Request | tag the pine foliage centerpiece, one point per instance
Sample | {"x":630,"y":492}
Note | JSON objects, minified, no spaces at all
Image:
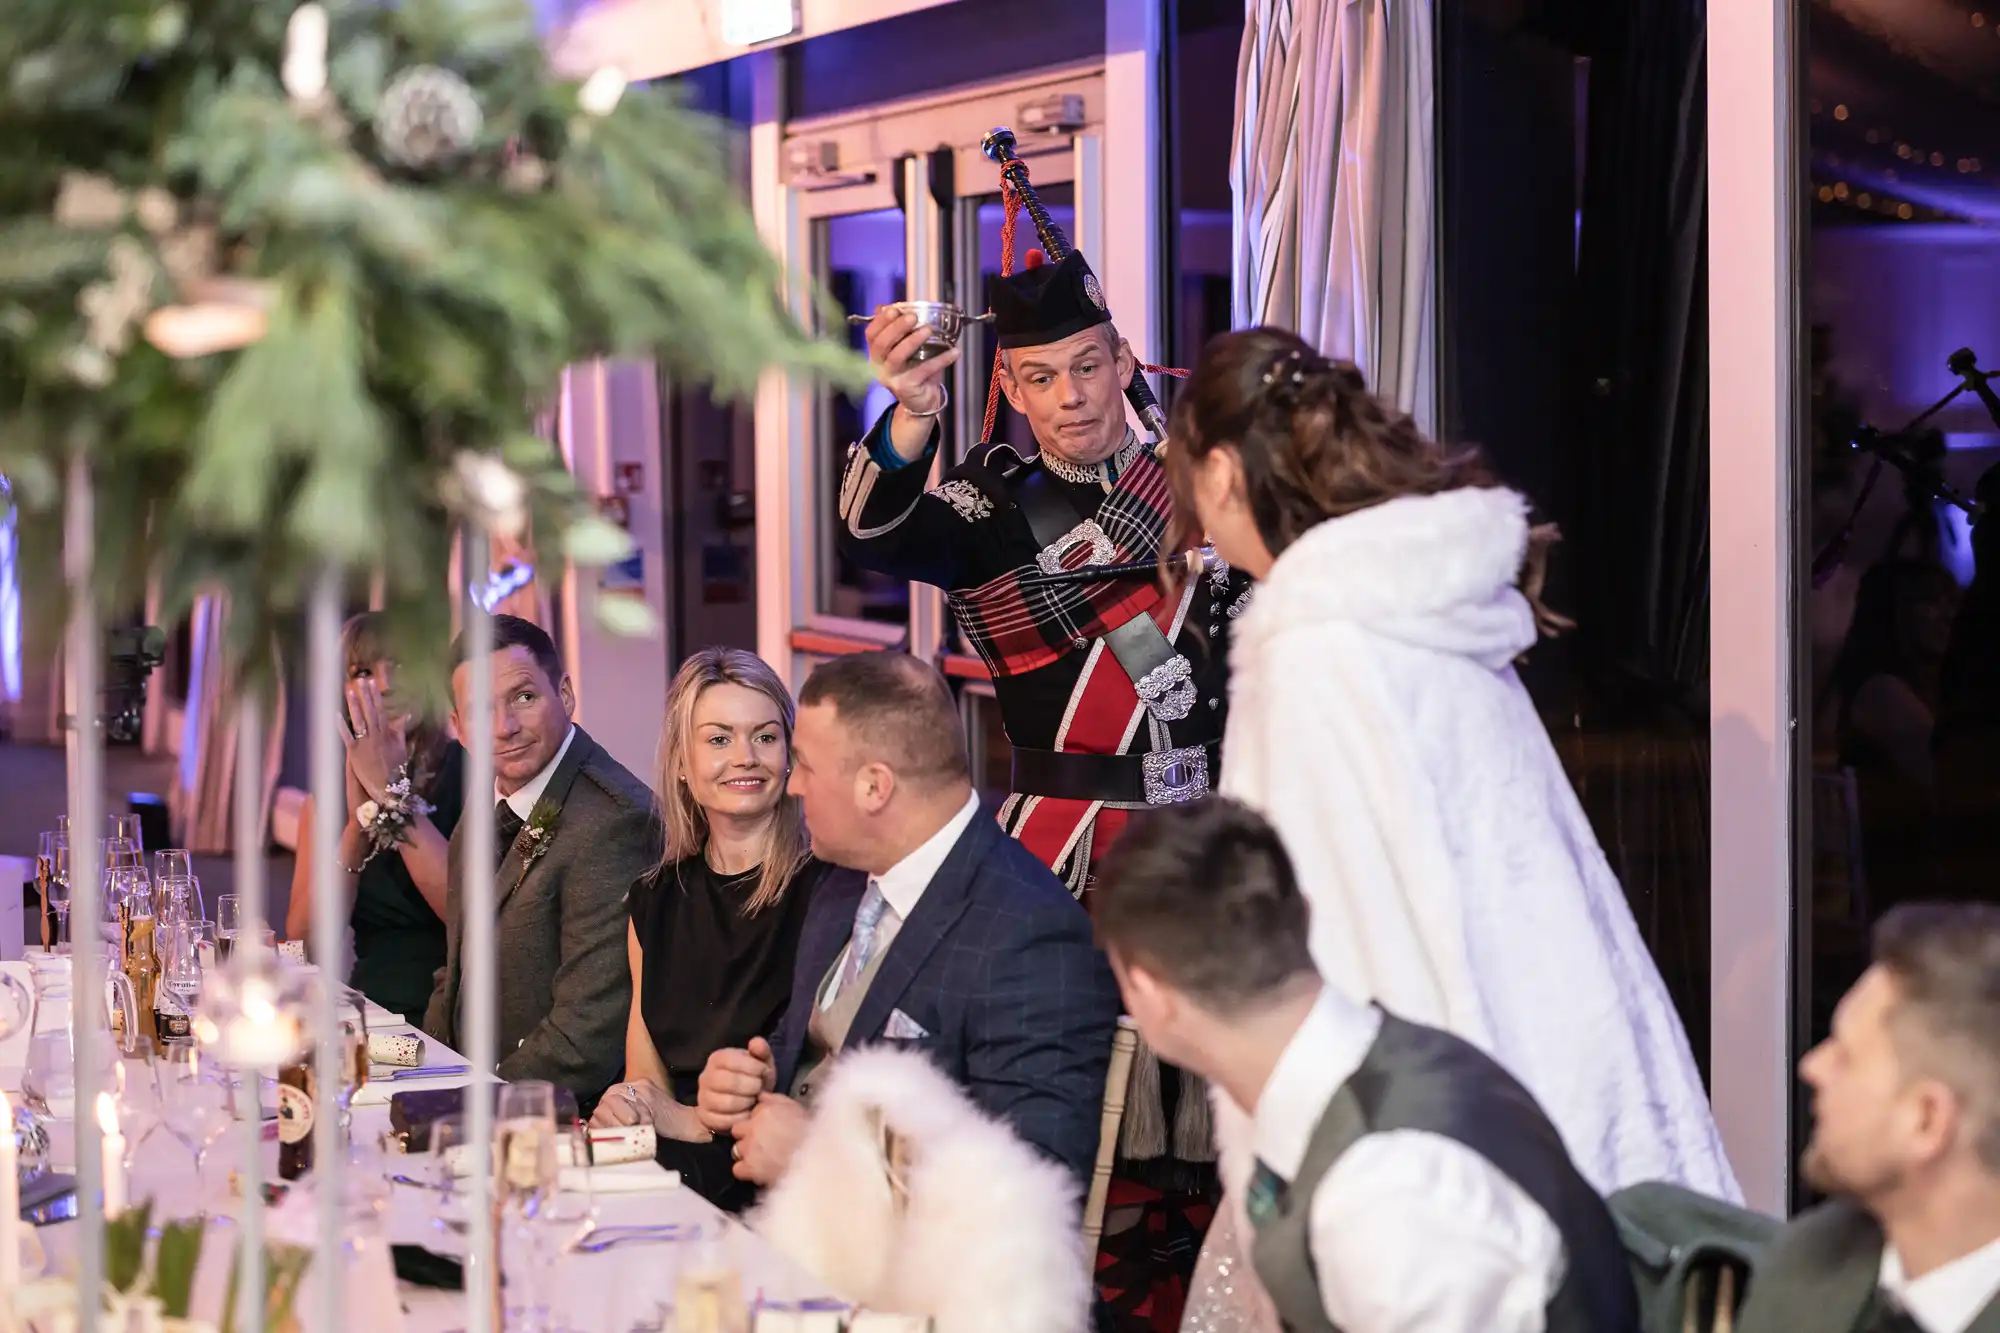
{"x":296,"y":282}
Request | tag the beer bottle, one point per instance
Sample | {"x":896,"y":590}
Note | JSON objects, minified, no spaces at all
{"x":142,"y":971}
{"x":298,"y":1097}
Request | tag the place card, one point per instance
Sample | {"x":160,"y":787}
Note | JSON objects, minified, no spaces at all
{"x":880,"y":1321}
{"x":770,"y":1320}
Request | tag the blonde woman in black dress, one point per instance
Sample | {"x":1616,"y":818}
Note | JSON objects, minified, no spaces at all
{"x":715,"y":926}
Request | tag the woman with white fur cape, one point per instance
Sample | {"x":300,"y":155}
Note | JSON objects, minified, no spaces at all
{"x":1376,"y":719}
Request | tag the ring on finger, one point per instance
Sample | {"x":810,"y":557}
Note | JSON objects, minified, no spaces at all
{"x":736,"y":1153}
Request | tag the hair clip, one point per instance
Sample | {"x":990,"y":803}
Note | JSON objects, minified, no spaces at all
{"x":1294,"y":360}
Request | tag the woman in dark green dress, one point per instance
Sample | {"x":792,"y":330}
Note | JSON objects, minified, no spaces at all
{"x":405,"y":787}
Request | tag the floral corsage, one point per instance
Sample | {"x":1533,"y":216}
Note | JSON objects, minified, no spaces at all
{"x":532,"y":842}
{"x":387,"y":822}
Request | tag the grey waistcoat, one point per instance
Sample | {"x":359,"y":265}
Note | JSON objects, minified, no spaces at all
{"x":1422,"y":1079}
{"x":826,"y":1030}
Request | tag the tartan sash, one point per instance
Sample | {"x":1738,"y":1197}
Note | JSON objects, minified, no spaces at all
{"x":1104,"y":717}
{"x":1016,"y":630}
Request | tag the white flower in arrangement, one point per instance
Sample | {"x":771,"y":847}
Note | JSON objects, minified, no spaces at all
{"x":304,"y":73}
{"x":156,"y":210}
{"x":366,"y":813}
{"x":84,"y":200}
{"x":496,"y":491}
{"x":601,"y":92}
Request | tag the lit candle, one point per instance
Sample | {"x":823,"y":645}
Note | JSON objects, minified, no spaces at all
{"x":114,"y":1155}
{"x":10,"y":1204}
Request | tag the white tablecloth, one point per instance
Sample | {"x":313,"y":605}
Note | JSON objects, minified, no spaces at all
{"x":610,"y":1291}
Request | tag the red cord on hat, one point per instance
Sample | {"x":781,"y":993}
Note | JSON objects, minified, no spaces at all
{"x":1034,"y":259}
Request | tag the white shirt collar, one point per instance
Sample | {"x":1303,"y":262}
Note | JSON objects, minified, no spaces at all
{"x":1323,"y":1054}
{"x":903,"y":883}
{"x":1947,"y":1299}
{"x":522,"y":802}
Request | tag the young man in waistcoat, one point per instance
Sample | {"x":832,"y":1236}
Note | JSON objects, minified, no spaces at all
{"x":1906,"y":1137}
{"x":1404,"y":1181}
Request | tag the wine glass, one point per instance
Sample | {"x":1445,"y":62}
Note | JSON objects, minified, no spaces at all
{"x":180,"y":899}
{"x":17,"y":1011}
{"x":446,"y":1172}
{"x":121,"y":854}
{"x":126,"y":828}
{"x":172,"y":863}
{"x":140,"y":1110}
{"x":49,"y":1082}
{"x":59,"y":878}
{"x":196,"y":1099}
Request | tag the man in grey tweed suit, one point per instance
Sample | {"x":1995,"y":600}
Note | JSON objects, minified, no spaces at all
{"x":1906,"y":1136}
{"x":943,"y":935}
{"x":573,"y":829}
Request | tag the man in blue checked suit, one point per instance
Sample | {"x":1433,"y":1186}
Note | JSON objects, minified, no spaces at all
{"x":943,"y":935}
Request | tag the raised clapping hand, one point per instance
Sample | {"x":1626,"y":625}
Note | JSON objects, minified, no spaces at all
{"x":375,"y":744}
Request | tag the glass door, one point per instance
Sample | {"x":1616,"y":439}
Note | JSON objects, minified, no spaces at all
{"x":859,"y":258}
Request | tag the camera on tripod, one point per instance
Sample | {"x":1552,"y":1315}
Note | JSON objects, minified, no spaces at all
{"x":131,"y":654}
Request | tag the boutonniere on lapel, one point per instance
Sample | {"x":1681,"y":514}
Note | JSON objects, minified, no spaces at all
{"x":532,"y":842}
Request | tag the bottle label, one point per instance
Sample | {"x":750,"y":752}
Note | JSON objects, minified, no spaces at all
{"x":295,"y":1114}
{"x":171,"y":1027}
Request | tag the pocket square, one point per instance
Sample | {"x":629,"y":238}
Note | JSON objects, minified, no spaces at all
{"x":901,"y":1027}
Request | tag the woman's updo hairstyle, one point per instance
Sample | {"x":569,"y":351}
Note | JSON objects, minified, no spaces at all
{"x":1315,"y":444}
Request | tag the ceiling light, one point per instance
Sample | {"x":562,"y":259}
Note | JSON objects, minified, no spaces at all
{"x":1840,"y":112}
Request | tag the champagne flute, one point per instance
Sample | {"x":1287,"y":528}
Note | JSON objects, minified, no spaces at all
{"x":59,"y":893}
{"x":45,"y":866}
{"x":528,"y":1176}
{"x":172,"y":863}
{"x":525,"y":1141}
{"x":353,"y":1022}
{"x":228,"y":920}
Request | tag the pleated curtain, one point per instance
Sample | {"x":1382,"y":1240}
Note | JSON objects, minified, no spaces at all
{"x":1332,"y":173}
{"x":202,"y":805}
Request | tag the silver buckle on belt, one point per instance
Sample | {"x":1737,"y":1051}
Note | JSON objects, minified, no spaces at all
{"x":1084,"y":533}
{"x":1174,"y":776}
{"x":1168,"y":689}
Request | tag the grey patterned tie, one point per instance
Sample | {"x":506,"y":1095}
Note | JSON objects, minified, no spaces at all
{"x":861,"y":945}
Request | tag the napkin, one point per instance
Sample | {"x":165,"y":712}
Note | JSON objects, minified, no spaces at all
{"x":625,"y":1178}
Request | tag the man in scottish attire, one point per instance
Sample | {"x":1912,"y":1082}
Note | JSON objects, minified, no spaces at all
{"x":1113,"y":692}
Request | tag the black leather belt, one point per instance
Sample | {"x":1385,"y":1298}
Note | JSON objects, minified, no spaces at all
{"x":1161,"y":777}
